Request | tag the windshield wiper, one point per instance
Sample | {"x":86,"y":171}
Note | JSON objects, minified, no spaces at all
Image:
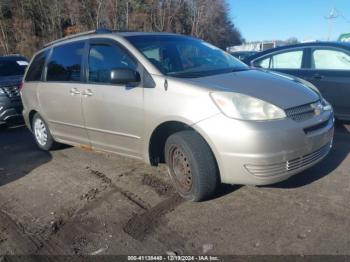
{"x":188,"y":75}
{"x":207,"y":73}
{"x":238,"y":69}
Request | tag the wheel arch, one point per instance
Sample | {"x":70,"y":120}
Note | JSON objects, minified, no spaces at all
{"x":30,"y":118}
{"x":160,"y":134}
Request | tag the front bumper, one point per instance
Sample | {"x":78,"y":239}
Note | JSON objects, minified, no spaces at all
{"x":10,"y":110}
{"x":266,"y":152}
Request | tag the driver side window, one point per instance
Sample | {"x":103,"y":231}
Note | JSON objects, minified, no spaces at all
{"x":104,"y":58}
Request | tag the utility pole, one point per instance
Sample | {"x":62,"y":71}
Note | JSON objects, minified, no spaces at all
{"x":331,"y":17}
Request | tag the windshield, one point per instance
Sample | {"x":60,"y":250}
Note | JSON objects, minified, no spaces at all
{"x":182,"y":56}
{"x":12,"y":67}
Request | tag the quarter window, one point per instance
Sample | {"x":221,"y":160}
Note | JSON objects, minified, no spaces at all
{"x":65,"y":63}
{"x":103,"y":58}
{"x":36,"y":68}
{"x":330,"y":59}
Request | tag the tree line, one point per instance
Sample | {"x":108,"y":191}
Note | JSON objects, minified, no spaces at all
{"x":25,"y":25}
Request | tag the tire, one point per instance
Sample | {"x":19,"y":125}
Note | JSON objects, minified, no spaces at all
{"x":42,"y":135}
{"x":191,"y":165}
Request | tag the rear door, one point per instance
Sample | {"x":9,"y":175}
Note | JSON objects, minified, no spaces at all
{"x":113,"y":113}
{"x":60,"y":93}
{"x":290,"y":61}
{"x":329,"y":71}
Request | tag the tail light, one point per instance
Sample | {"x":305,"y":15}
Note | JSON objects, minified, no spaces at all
{"x":20,"y":86}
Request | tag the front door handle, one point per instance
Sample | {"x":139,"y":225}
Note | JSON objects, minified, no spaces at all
{"x":87,"y":92}
{"x":75,"y":91}
{"x":317,"y":76}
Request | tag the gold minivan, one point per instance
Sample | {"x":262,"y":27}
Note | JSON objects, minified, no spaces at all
{"x":174,"y":99}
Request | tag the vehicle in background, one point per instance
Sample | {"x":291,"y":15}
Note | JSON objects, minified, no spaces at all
{"x":344,"y":38}
{"x":256,"y":46}
{"x":324,"y":64}
{"x":241,"y":55}
{"x":173,"y":99}
{"x":12,"y":68}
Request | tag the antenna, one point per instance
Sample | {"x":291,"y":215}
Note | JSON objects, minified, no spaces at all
{"x":331,"y":17}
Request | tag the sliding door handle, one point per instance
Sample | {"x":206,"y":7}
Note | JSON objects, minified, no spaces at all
{"x":87,"y":92}
{"x":75,"y":91}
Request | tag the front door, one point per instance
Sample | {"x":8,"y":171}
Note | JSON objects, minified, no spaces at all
{"x":288,"y":61}
{"x":113,"y":113}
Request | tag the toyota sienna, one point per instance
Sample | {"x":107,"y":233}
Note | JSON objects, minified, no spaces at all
{"x":174,"y":99}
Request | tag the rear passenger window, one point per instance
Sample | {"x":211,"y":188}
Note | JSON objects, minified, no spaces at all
{"x":104,"y":58}
{"x":36,"y":68}
{"x":65,"y":63}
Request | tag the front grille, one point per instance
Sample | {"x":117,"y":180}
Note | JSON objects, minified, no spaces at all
{"x":314,"y":128}
{"x":301,"y":113}
{"x":11,"y":91}
{"x":288,"y":166}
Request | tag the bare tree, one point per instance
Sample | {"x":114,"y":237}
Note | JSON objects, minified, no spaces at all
{"x":25,"y":25}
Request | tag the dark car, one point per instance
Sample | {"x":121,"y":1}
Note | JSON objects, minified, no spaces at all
{"x":12,"y":69}
{"x":324,"y":64}
{"x":241,"y":55}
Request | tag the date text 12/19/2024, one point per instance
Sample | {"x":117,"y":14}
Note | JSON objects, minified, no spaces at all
{"x":173,"y":258}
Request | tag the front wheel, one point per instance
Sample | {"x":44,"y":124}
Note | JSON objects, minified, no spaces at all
{"x":192,"y":166}
{"x":42,"y":135}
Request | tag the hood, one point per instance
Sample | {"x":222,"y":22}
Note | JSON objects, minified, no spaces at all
{"x":282,"y":91}
{"x":10,"y":80}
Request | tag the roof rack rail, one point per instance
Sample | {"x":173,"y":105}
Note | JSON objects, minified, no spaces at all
{"x":103,"y":31}
{"x":12,"y":55}
{"x":97,"y":31}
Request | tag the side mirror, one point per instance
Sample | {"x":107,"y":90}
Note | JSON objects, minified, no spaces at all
{"x":124,"y":76}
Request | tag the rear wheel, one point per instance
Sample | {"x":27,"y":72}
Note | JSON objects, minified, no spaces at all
{"x":42,"y":135}
{"x":192,"y":166}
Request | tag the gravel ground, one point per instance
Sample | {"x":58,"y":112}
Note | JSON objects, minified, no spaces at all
{"x":73,"y":202}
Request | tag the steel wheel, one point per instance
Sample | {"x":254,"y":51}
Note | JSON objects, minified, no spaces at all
{"x":40,"y":132}
{"x":180,"y":169}
{"x":192,"y":166}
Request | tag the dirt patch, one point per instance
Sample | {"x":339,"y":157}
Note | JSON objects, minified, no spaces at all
{"x":3,"y":235}
{"x":162,"y":188}
{"x":91,"y":194}
{"x":131,"y":171}
{"x":135,"y":199}
{"x":79,"y":244}
{"x":100,"y":175}
{"x":13,"y":235}
{"x":141,"y":225}
{"x":127,"y":194}
{"x":56,"y":225}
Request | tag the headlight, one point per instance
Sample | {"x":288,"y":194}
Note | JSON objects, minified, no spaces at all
{"x":326,"y":106}
{"x":245,"y":107}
